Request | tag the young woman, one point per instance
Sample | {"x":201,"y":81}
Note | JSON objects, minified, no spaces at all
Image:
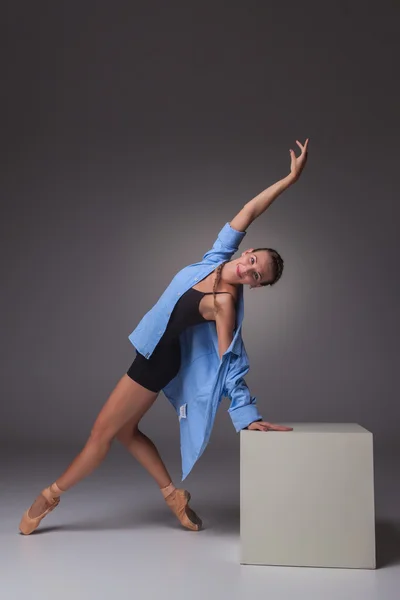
{"x":158,"y":362}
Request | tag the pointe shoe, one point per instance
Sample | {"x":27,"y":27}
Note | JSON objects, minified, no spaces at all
{"x":29,"y":524}
{"x":178,"y":501}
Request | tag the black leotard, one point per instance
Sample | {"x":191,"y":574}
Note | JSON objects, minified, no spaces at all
{"x":155,"y":372}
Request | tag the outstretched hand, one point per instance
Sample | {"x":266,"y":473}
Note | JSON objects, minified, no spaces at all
{"x":265,"y":426}
{"x":298,"y":162}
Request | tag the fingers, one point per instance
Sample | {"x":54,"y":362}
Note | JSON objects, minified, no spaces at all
{"x":266,"y":426}
{"x":276,"y":427}
{"x":258,"y":426}
{"x":303,"y":148}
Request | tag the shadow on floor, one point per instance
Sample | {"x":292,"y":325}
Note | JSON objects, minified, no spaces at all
{"x":218,"y":518}
{"x":387,"y":543}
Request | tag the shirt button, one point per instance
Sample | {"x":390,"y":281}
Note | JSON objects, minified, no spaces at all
{"x":177,"y":293}
{"x":160,"y":332}
{"x":196,"y":278}
{"x":168,"y":314}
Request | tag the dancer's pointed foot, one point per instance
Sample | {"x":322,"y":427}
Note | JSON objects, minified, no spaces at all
{"x":178,"y":501}
{"x":47,"y":501}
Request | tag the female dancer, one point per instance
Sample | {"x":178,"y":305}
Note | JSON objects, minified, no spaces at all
{"x":137,"y":390}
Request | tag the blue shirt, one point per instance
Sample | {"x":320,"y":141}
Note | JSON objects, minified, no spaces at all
{"x":203,"y":378}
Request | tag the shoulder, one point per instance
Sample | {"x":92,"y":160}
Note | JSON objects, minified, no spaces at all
{"x":226,"y":303}
{"x":232,"y":294}
{"x":226,"y":299}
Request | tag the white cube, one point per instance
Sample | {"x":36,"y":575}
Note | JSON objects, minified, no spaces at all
{"x":307,"y":496}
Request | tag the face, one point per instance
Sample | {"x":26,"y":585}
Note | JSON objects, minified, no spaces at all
{"x":252,"y":268}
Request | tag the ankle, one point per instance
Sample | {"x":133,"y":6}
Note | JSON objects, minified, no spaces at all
{"x":55,"y":490}
{"x":166,"y":491}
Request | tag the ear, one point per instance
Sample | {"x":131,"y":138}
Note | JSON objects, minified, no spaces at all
{"x":247,"y":251}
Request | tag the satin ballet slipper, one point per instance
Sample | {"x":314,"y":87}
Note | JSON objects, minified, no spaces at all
{"x":178,"y":501}
{"x":52,"y":495}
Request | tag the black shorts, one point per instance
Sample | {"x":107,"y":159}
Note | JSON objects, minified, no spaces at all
{"x":156,"y":371}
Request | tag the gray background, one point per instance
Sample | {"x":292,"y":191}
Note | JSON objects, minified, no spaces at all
{"x":131,"y":133}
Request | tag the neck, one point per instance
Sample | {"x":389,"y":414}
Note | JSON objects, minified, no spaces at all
{"x":224,"y":275}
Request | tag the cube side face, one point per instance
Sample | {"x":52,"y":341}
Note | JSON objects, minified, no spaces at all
{"x":307,"y":500}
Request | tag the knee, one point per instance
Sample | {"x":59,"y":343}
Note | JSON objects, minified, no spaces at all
{"x":127,"y":435}
{"x":100,"y":435}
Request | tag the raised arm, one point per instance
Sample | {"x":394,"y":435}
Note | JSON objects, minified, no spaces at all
{"x":255,"y":207}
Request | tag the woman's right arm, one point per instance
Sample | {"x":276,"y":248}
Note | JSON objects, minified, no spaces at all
{"x":255,"y":207}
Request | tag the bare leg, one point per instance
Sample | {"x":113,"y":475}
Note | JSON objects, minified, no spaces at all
{"x":129,"y":401}
{"x":143,"y":449}
{"x":145,"y":452}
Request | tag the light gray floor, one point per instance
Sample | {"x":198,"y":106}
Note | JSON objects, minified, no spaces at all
{"x":112,"y":536}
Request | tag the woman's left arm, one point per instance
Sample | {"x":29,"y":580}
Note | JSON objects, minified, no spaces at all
{"x":255,"y":207}
{"x":225,"y":323}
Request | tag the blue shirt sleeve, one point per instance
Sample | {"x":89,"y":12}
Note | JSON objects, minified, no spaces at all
{"x":226,"y":244}
{"x":243,"y":408}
